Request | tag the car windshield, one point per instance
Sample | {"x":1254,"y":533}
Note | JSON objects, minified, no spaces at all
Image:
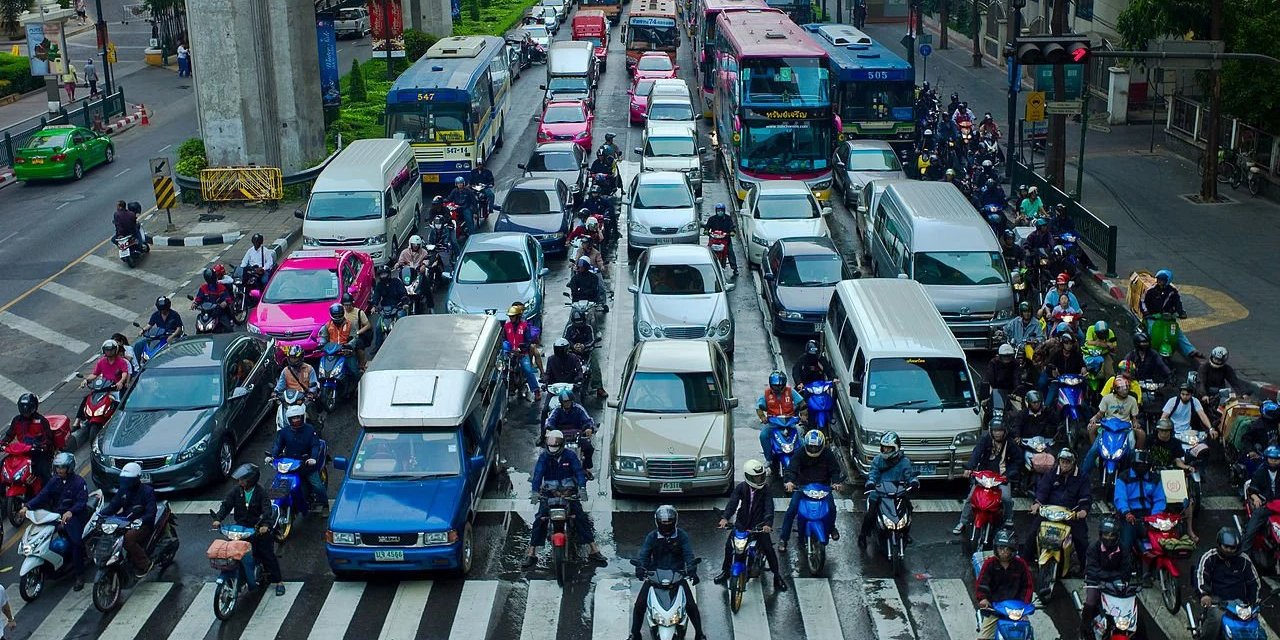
{"x":671,"y":111}
{"x":529,"y":201}
{"x":873,"y":160}
{"x":302,"y":285}
{"x":161,"y":389}
{"x":568,"y":84}
{"x":643,"y":88}
{"x":670,"y":147}
{"x":810,"y":271}
{"x":556,"y":115}
{"x":919,"y":383}
{"x":493,"y":267}
{"x":553,"y":161}
{"x":385,"y":455}
{"x":681,"y":280}
{"x":963,"y":268}
{"x":674,"y":393}
{"x":48,"y":141}
{"x":663,"y":196}
{"x":654,"y":63}
{"x":786,"y":206}
{"x":345,"y":205}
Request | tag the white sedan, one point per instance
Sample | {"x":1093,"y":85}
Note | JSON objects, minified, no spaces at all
{"x":779,"y":209}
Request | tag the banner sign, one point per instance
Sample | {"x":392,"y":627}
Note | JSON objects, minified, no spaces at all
{"x":387,"y":23}
{"x":45,"y":46}
{"x":327,"y":44}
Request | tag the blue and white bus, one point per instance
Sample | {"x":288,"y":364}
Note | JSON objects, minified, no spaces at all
{"x":873,"y":88}
{"x":451,"y":105}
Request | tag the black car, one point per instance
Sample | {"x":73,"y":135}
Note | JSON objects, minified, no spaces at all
{"x":196,"y":403}
{"x":800,"y":275}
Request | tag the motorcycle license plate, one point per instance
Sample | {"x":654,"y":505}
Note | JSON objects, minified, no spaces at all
{"x":146,"y":478}
{"x":388,"y":555}
{"x":671,"y":487}
{"x":431,"y":177}
{"x":124,"y":253}
{"x":926,"y":469}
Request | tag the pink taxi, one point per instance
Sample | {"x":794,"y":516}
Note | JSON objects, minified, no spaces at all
{"x":297,"y":299}
{"x":566,"y":121}
{"x":639,"y":95}
{"x":655,"y":65}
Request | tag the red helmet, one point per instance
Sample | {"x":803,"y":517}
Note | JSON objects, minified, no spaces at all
{"x":1063,"y":279}
{"x":219,"y":271}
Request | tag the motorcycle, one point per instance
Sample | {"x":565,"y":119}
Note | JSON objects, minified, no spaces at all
{"x":246,"y":290}
{"x":209,"y":318}
{"x":537,"y":54}
{"x":459,"y":225}
{"x":987,"y":508}
{"x":745,"y":564}
{"x":388,"y":314}
{"x":1194,"y":444}
{"x":482,"y":203}
{"x":97,"y":408}
{"x":815,"y":519}
{"x":820,"y":400}
{"x":20,"y":481}
{"x":1053,"y":548}
{"x":1153,"y":399}
{"x":1037,"y":460}
{"x":238,"y":574}
{"x":1070,"y":405}
{"x":288,"y":490}
{"x":153,"y":340}
{"x":105,"y":545}
{"x":590,"y":308}
{"x":46,"y":549}
{"x":335,"y":382}
{"x":1160,"y":550}
{"x":1094,"y":358}
{"x":994,"y":215}
{"x":552,"y":398}
{"x":413,"y":286}
{"x":1264,"y":550}
{"x":1164,"y":333}
{"x":1071,"y":260}
{"x":1011,"y":619}
{"x":294,"y":397}
{"x":1239,"y":621}
{"x":783,"y":442}
{"x":564,"y":541}
{"x":1117,"y":617}
{"x":718,"y":242}
{"x":130,"y":250}
{"x":1115,"y":446}
{"x":893,"y":522}
{"x":665,"y":609}
{"x":509,"y":366}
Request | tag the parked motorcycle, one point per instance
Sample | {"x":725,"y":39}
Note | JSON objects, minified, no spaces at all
{"x":288,"y":490}
{"x":238,"y":573}
{"x":130,"y":250}
{"x":783,"y":442}
{"x":893,"y":522}
{"x":565,"y":556}
{"x":46,"y":549}
{"x":1117,"y":617}
{"x":335,"y":382}
{"x":665,"y":608}
{"x":988,"y":511}
{"x":746,"y":563}
{"x":1160,"y":551}
{"x":1053,"y":548}
{"x":114,"y":573}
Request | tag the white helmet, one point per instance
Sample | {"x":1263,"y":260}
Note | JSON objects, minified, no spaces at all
{"x":295,"y":411}
{"x":415,"y":241}
{"x":755,"y":473}
{"x":110,"y":345}
{"x":1006,"y":349}
{"x":131,"y":470}
{"x":555,"y":441}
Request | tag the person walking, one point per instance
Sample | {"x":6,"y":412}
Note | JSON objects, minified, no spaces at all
{"x":69,"y":80}
{"x":184,"y":60}
{"x":82,"y":12}
{"x":860,"y":14}
{"x":91,"y":76}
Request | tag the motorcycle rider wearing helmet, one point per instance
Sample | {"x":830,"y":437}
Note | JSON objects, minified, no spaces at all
{"x":1065,"y":486}
{"x":1036,"y":419}
{"x":1039,"y":243}
{"x":992,"y":194}
{"x":1166,"y":453}
{"x":587,"y":284}
{"x":136,"y":501}
{"x":750,"y":507}
{"x":441,"y":234}
{"x":720,"y":220}
{"x":569,"y":415}
{"x":466,"y":201}
{"x":66,"y":494}
{"x":604,"y":165}
{"x":1215,"y":374}
{"x":1224,"y":574}
{"x":1263,"y":487}
{"x":125,"y":221}
{"x":1120,"y":403}
{"x":481,"y":176}
{"x":248,"y":503}
{"x":164,"y":317}
{"x":1003,"y":576}
{"x":610,"y":147}
{"x":667,"y":547}
{"x":1104,"y":562}
{"x":523,"y":338}
{"x":559,"y":464}
{"x":563,"y":365}
{"x":1002,"y":369}
{"x":1053,"y":297}
{"x":995,"y":452}
{"x":219,"y":294}
{"x":1059,"y":356}
{"x":988,"y":126}
{"x":1147,"y":364}
{"x":388,"y":291}
{"x":890,"y":465}
{"x":297,"y":375}
{"x":1032,"y":207}
{"x":301,"y":442}
{"x":414,"y":255}
{"x":1100,"y":336}
{"x":582,"y":337}
{"x":1263,"y":431}
{"x":1163,"y":297}
{"x":1024,"y":328}
{"x":31,"y":427}
{"x":338,"y":330}
{"x":778,"y":399}
{"x":258,"y":261}
{"x":112,"y":366}
{"x":1138,"y":493}
{"x":818,"y":465}
{"x":1124,"y":370}
{"x":811,"y":367}
{"x":357,"y":318}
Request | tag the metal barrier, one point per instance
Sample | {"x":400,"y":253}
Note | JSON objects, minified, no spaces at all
{"x":225,"y":184}
{"x":1096,"y":234}
{"x":82,"y":114}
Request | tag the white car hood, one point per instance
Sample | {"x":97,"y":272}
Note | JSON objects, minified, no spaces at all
{"x":670,"y":163}
{"x":663,"y":217}
{"x":684,"y":310}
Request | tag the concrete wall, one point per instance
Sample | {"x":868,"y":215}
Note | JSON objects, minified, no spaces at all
{"x":429,"y":16}
{"x":257,"y":77}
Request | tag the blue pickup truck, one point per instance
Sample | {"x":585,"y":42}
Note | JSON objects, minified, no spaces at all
{"x":431,"y":407}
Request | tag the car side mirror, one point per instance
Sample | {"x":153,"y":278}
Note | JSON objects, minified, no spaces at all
{"x":730,"y":286}
{"x":534,"y":118}
{"x":544,"y":272}
{"x":633,"y":288}
{"x":612,"y":404}
{"x":297,"y":213}
{"x":340,"y":463}
{"x":702,"y":151}
{"x":733,"y":403}
{"x":392,"y":211}
{"x":826,"y":211}
{"x":631,"y":92}
{"x":903,"y":276}
{"x":241,"y":392}
{"x":855,"y":388}
{"x":447,"y":275}
{"x":698,"y":200}
{"x":476,"y":464}
{"x":543,"y":87}
{"x":638,"y":150}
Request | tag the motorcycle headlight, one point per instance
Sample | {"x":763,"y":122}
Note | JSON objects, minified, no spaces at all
{"x":789,"y":315}
{"x":821,"y":186}
{"x":630,"y":464}
{"x":282,"y":466}
{"x":455,"y":307}
{"x":253,"y":328}
{"x":376,"y":240}
{"x":341,"y":537}
{"x":645,"y":329}
{"x":1124,"y":623}
{"x":724,"y":328}
{"x":692,"y":226}
{"x":788,"y":447}
{"x":193,"y":450}
{"x":740,"y":544}
{"x":760,"y":241}
{"x":637,"y":227}
{"x":712,"y":465}
{"x":1004,"y":314}
{"x":109,"y":528}
{"x":965,"y":439}
{"x":1014,"y":614}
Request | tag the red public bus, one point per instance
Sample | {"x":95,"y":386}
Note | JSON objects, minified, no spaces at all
{"x":705,"y":40}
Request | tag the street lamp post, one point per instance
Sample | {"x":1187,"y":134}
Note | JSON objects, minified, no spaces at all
{"x":103,"y":41}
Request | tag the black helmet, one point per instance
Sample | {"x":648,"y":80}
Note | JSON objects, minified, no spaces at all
{"x":955,"y":97}
{"x":163,"y":303}
{"x":1141,"y":461}
{"x":893,"y":443}
{"x":335,"y":312}
{"x":256,"y":239}
{"x":28,"y":403}
{"x":1005,"y":538}
{"x":665,"y":518}
{"x":609,"y":136}
{"x":811,"y":347}
{"x":135,"y":207}
{"x":1109,"y":531}
{"x":1034,"y":396}
{"x":209,"y":277}
{"x":246,"y":472}
{"x":1142,"y":338}
{"x":348,"y":299}
{"x":1228,"y":542}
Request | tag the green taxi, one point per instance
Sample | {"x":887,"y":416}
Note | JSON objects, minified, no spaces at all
{"x":62,"y":152}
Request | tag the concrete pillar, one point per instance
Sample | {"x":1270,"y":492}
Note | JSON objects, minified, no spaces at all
{"x":1118,"y":95}
{"x":257,"y":78}
{"x":429,"y":16}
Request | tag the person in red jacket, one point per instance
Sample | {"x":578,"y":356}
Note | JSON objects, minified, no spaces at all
{"x":32,"y":428}
{"x":1004,"y":576}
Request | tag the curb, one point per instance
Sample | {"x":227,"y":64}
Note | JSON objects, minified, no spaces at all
{"x":196,"y":241}
{"x":1111,"y":287}
{"x":128,"y":122}
{"x":7,"y":178}
{"x":281,"y":244}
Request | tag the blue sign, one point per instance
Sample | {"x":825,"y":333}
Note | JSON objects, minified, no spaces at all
{"x":925,"y":50}
{"x":327,"y":46}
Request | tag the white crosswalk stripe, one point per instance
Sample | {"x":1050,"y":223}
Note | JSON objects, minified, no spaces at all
{"x":136,"y":611}
{"x":271,"y":612}
{"x":476,"y":600}
{"x":339,"y":607}
{"x":882,"y":596}
{"x":611,"y":611}
{"x":751,"y":622}
{"x":16,"y":603}
{"x":541,"y":611}
{"x":145,"y":276}
{"x":198,"y":618}
{"x":820,"y":620}
{"x":64,"y":616}
{"x":951,"y":597}
{"x":406,"y":611}
{"x":43,"y":333}
{"x":93,"y":302}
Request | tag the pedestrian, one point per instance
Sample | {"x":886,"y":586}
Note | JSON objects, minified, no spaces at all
{"x":69,"y":80}
{"x":9,"y":623}
{"x":82,"y":12}
{"x":184,"y":60}
{"x":91,"y":76}
{"x":859,"y":14}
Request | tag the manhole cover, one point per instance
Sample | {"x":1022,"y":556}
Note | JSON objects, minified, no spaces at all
{"x":1194,"y":198}
{"x":211,"y":217}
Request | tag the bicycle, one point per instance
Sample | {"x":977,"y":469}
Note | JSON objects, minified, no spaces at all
{"x":1225,"y":167}
{"x":1245,"y":171}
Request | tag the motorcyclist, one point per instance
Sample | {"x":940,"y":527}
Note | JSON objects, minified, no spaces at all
{"x":301,"y":442}
{"x":1104,"y":562}
{"x":466,"y":201}
{"x":818,"y":465}
{"x":985,"y":172}
{"x":991,"y":193}
{"x":483,"y":177}
{"x":582,"y":337}
{"x":1138,"y":493}
{"x":1024,"y":328}
{"x":995,"y":452}
{"x":954,"y":104}
{"x":811,"y":367}
{"x":720,"y":220}
{"x":338,"y":330}
{"x":388,"y":291}
{"x":1068,"y":488}
{"x":297,"y":375}
{"x":563,"y":365}
{"x":1062,"y":222}
{"x":1224,"y":574}
{"x":1032,"y":207}
{"x":68,"y":495}
{"x":569,"y":415}
{"x":164,"y":317}
{"x":610,"y":147}
{"x":604,"y":165}
{"x":1002,"y":370}
{"x":596,"y":204}
{"x":1120,"y":404}
{"x":1263,"y":431}
{"x":1263,"y":487}
{"x":1100,"y":336}
{"x":591,"y":252}
{"x":1003,"y":576}
{"x":1216,"y":374}
{"x":1167,"y":452}
{"x":414,"y":255}
{"x":890,"y":465}
{"x":587,"y":284}
{"x":125,"y":221}
{"x":1036,"y":419}
{"x":218,"y":293}
{"x":1039,"y":243}
{"x":558,"y":464}
{"x":1183,"y":407}
{"x":667,"y":547}
{"x":778,"y":399}
{"x":136,"y":501}
{"x":750,"y":507}
{"x":1163,"y":297}
{"x":31,"y":427}
{"x":523,"y":338}
{"x":359,"y":321}
{"x":1062,"y":357}
{"x":963,"y":114}
{"x":1148,"y":365}
{"x":258,"y":261}
{"x":988,"y":126}
{"x":250,"y":506}
{"x":1061,"y":289}
{"x":112,"y":366}
{"x":440,"y":233}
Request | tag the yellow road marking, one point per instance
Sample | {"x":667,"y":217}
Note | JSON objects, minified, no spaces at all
{"x":1223,"y":309}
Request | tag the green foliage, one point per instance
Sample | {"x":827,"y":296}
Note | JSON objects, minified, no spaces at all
{"x":359,"y":91}
{"x":416,"y":44}
{"x":15,"y":75}
{"x":495,"y":18}
{"x":474,"y":7}
{"x":191,"y":158}
{"x":359,"y":119}
{"x":9,"y":12}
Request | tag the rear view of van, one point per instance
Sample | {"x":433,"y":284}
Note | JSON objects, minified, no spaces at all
{"x":368,"y":199}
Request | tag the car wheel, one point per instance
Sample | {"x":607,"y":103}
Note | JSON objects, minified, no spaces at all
{"x":226,"y":458}
{"x":110,"y":154}
{"x":77,"y":172}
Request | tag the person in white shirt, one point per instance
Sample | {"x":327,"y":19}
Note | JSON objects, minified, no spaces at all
{"x":260,"y":258}
{"x":1179,"y":410}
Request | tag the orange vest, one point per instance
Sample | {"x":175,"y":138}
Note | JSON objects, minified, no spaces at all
{"x":338,"y":335}
{"x":781,"y":404}
{"x":298,"y":380}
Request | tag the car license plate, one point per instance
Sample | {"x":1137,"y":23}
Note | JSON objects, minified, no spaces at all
{"x":671,"y":487}
{"x":926,"y":469}
{"x":388,"y":555}
{"x":37,"y":161}
{"x":662,"y":241}
{"x":431,"y":177}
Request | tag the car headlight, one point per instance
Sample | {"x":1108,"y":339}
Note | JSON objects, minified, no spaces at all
{"x":712,"y":465}
{"x":789,"y":315}
{"x":758,"y":240}
{"x":821,"y":186}
{"x":725,"y":327}
{"x":872,"y":438}
{"x":692,"y":226}
{"x":253,"y":328}
{"x":454,"y":307}
{"x":309,"y":240}
{"x":637,"y":227}
{"x":1004,"y":314}
{"x":629,"y":464}
{"x":645,"y":329}
{"x":376,"y":240}
{"x":435,"y":537}
{"x":532,"y":306}
{"x":342,"y":537}
{"x":193,"y":450}
{"x":965,"y":439}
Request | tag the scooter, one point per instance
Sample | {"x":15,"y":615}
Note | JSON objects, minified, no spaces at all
{"x":1053,"y":548}
{"x":815,"y":519}
{"x":238,"y":574}
{"x":335,"y":382}
{"x":1153,"y":399}
{"x":666,"y":604}
{"x":294,"y":397}
{"x":20,"y":481}
{"x":987,"y":508}
{"x":783,"y":442}
{"x":1164,"y":333}
{"x":509,"y":366}
{"x":1160,"y":550}
{"x":46,"y":550}
{"x":821,"y":404}
{"x":209,"y":318}
{"x":388,"y":314}
{"x":152,"y":341}
{"x":1115,"y":446}
{"x":246,"y":290}
{"x":130,"y":250}
{"x":1239,"y":621}
{"x":746,"y":563}
{"x":1011,"y":619}
{"x":1117,"y":617}
{"x":1194,"y":443}
{"x":893,"y":522}
{"x":97,"y":408}
{"x":482,"y":203}
{"x":1264,"y":550}
{"x":718,"y":242}
{"x":106,"y":548}
{"x":1094,"y":358}
{"x":551,"y":398}
{"x":1069,"y":403}
{"x":288,"y":490}
{"x":412,"y":279}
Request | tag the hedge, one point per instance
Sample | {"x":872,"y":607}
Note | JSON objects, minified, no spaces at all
{"x":15,"y":75}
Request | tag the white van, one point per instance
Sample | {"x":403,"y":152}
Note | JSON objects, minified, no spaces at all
{"x":904,"y":372}
{"x":369,"y":199}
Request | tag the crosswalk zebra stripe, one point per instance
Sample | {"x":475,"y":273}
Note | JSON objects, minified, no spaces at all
{"x":339,"y":607}
{"x":271,"y":612}
{"x":64,"y":616}
{"x":475,"y":605}
{"x":611,"y":611}
{"x":199,"y":618}
{"x":883,"y":597}
{"x":16,"y":603}
{"x":951,"y":596}
{"x":136,"y":610}
{"x":751,"y":622}
{"x":820,"y":620}
{"x":541,"y":611}
{"x":405,"y":615}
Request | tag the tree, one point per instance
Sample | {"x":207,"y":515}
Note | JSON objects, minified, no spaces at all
{"x":359,"y":92}
{"x":9,"y":12}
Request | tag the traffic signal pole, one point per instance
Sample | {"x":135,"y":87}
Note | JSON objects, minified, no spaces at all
{"x":1056,"y":158}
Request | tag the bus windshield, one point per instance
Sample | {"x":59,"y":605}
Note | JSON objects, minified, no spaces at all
{"x":871,"y":100}
{"x":784,"y":146}
{"x":793,"y":81}
{"x":431,"y":121}
{"x":652,"y":33}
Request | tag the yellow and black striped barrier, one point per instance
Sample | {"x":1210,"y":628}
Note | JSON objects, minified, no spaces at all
{"x":166,"y":195}
{"x":241,"y":183}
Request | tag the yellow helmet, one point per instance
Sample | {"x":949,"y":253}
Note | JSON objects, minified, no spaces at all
{"x":516,"y":309}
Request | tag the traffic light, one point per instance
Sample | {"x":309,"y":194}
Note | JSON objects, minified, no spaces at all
{"x":1064,"y":49}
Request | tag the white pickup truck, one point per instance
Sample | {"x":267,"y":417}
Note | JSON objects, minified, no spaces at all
{"x":352,"y":22}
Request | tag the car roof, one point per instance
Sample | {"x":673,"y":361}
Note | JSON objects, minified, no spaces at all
{"x":661,"y":177}
{"x":668,"y":98}
{"x":674,"y":356}
{"x":59,"y":128}
{"x":655,"y":54}
{"x":669,"y":128}
{"x":782,"y":186}
{"x":308,"y":259}
{"x":808,"y":246}
{"x":502,"y":240}
{"x":195,"y":352}
{"x":535,"y":184}
{"x":682,"y":254}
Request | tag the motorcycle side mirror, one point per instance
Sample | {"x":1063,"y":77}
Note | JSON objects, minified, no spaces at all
{"x":638,"y":150}
{"x":733,"y":403}
{"x":534,"y":118}
{"x":730,"y":286}
{"x":137,"y":325}
{"x":297,"y":213}
{"x":769,"y":276}
{"x":636,"y":563}
{"x":340,"y":463}
{"x":698,"y":200}
{"x":191,"y":297}
{"x":447,"y":275}
{"x":241,"y":392}
{"x":566,"y":294}
{"x":633,"y":288}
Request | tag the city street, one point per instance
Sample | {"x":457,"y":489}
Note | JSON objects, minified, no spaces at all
{"x":57,"y":306}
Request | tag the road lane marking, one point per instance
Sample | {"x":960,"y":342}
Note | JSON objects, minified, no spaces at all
{"x":198,"y":619}
{"x":93,"y":302}
{"x":271,"y":613}
{"x":161,"y":149}
{"x":43,"y":333}
{"x":406,"y":611}
{"x":127,"y":170}
{"x":951,"y":598}
{"x":751,"y":622}
{"x":59,"y":207}
{"x":820,"y":619}
{"x":136,"y":611}
{"x":887,"y":611}
{"x":541,"y":611}
{"x":64,"y":616}
{"x":475,"y":609}
{"x":339,"y":607}
{"x":1223,"y":308}
{"x":16,"y":603}
{"x":112,"y":265}
{"x":611,"y":611}
{"x":10,"y":389}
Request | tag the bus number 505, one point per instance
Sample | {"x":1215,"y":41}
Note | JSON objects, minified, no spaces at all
{"x":877,"y":75}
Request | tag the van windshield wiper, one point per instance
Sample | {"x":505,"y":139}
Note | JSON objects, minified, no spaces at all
{"x":901,"y":405}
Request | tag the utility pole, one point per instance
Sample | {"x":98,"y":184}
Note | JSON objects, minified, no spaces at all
{"x":1209,"y":181}
{"x":944,"y":19}
{"x":1014,"y":29}
{"x":977,"y":37}
{"x":913,"y":34}
{"x":1056,"y":157}
{"x":103,"y":41}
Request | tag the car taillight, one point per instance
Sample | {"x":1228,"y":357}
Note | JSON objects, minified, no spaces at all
{"x":59,"y":157}
{"x":19,"y":160}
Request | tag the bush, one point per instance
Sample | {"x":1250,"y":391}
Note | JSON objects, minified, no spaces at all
{"x":15,"y":75}
{"x":191,"y":157}
{"x":416,"y":44}
{"x":359,"y":92}
{"x":496,"y":18}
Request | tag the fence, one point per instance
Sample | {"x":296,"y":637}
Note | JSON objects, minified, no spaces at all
{"x":1189,"y":120}
{"x":241,"y":183}
{"x":1096,"y":234}
{"x":84,"y":113}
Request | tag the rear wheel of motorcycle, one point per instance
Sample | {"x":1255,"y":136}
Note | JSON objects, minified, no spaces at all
{"x":32,"y":584}
{"x":130,"y":260}
{"x":815,"y":555}
{"x":226,"y":598}
{"x":560,"y":565}
{"x":12,"y":506}
{"x":106,"y":591}
{"x":1046,"y":578}
{"x":1170,"y":591}
{"x":282,"y":532}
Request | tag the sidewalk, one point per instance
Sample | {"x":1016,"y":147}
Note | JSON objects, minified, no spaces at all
{"x":1221,"y":255}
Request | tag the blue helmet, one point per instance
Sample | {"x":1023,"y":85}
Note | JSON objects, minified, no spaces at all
{"x":777,"y":380}
{"x":1270,"y":410}
{"x":1272,"y":452}
{"x":814,"y":442}
{"x":1166,"y":274}
{"x":719,"y":207}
